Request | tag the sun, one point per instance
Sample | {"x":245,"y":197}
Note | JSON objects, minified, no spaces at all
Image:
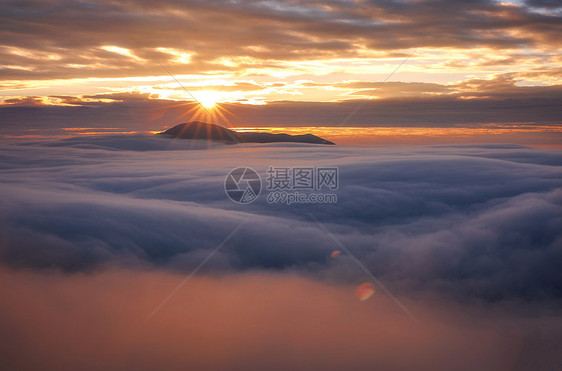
{"x":208,"y":99}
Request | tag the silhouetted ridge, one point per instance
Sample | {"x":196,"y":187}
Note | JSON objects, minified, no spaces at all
{"x":202,"y":130}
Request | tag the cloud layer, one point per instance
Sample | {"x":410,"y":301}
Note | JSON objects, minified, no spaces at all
{"x":243,"y":322}
{"x":469,"y":221}
{"x":96,"y":232}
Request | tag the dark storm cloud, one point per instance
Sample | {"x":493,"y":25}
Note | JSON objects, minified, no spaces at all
{"x":464,"y":221}
{"x":62,"y":39}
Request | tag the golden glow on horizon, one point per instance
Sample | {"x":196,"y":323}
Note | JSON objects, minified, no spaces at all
{"x":543,"y":136}
{"x":291,"y":80}
{"x":535,"y":136}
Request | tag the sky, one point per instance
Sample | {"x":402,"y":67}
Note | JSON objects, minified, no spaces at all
{"x":112,"y":65}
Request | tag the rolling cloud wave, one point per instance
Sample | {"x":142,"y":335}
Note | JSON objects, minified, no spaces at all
{"x":466,"y":221}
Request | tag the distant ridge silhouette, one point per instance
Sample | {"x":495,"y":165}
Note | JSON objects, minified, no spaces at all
{"x":202,"y":130}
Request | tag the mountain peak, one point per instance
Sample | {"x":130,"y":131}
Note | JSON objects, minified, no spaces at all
{"x":202,"y":130}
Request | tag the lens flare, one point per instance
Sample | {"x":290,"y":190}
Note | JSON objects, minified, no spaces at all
{"x":364,"y":291}
{"x":335,"y":253}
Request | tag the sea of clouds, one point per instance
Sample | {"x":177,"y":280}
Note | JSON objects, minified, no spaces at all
{"x":464,"y":235}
